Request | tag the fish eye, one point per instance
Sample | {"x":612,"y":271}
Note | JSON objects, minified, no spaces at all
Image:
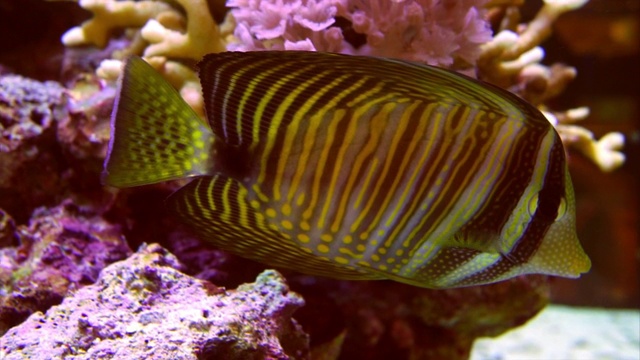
{"x":541,"y":202}
{"x":562,"y":209}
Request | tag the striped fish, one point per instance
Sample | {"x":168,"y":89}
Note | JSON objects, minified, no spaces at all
{"x":354,"y":168}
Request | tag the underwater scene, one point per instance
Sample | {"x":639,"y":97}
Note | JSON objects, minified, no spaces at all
{"x":320,"y":179}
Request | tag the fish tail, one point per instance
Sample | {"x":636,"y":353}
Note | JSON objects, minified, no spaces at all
{"x":155,"y":135}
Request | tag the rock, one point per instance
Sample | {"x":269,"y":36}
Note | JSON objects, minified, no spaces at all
{"x":28,"y":108}
{"x":85,"y":132}
{"x":62,"y":249}
{"x":145,"y":308}
{"x":384,"y":319}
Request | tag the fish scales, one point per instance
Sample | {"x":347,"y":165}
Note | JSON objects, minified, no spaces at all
{"x":355,"y":167}
{"x":378,"y":234}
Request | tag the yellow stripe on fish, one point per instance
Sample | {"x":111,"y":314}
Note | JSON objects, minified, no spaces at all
{"x":354,"y":167}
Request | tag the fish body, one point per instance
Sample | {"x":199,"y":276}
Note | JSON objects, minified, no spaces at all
{"x":354,"y":167}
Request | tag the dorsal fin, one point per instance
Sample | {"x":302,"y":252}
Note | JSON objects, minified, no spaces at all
{"x":250,"y":94}
{"x":217,"y":209}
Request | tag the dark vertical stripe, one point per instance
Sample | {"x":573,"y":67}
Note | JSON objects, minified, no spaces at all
{"x":509,"y":187}
{"x":549,"y":200}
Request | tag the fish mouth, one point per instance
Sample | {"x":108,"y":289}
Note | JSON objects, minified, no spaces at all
{"x":562,"y":256}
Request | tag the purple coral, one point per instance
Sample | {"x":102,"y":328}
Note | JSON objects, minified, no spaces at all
{"x":433,"y":32}
{"x":282,"y":24}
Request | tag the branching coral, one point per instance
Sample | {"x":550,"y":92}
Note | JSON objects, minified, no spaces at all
{"x":604,"y":152}
{"x":201,"y":35}
{"x":162,"y":26}
{"x":285,"y":25}
{"x":448,"y":33}
{"x":444,"y":33}
{"x":512,"y":60}
{"x":432,"y":32}
{"x":512,"y":51}
{"x":109,"y":15}
{"x":164,"y":32}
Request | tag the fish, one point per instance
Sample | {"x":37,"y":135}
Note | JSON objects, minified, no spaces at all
{"x":353,"y":167}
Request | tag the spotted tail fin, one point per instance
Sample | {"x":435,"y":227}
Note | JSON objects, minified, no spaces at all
{"x":155,"y":135}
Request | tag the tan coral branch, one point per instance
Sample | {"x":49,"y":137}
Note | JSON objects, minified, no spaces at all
{"x":202,"y":35}
{"x":109,"y":15}
{"x":605,"y":153}
{"x":540,"y":27}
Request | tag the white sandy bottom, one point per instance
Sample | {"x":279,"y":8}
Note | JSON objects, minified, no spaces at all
{"x":567,"y":333}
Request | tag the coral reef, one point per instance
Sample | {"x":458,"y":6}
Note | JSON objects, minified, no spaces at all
{"x":432,"y":32}
{"x":62,"y":132}
{"x":382,"y":320}
{"x":29,"y":113}
{"x":27,"y":109}
{"x":512,"y":60}
{"x":208,"y":263}
{"x":53,"y":139}
{"x":85,"y":131}
{"x":454,"y":34}
{"x":145,"y":308}
{"x":62,"y":249}
{"x":166,"y":33}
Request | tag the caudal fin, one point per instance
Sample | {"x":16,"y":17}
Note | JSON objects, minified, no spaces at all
{"x":155,"y":135}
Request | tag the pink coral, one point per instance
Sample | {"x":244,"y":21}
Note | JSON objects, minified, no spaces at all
{"x":280,"y":24}
{"x":444,"y":33}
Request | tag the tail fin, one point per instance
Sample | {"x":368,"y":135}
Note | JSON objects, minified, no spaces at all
{"x":155,"y":135}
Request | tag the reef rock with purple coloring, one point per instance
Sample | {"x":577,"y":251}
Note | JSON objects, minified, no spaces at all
{"x":28,"y":108}
{"x":63,"y":248}
{"x":145,"y":308}
{"x":85,"y":132}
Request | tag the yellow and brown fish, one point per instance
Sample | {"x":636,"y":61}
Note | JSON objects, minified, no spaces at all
{"x":354,"y":167}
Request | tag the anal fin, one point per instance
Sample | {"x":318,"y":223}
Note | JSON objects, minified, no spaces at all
{"x":217,"y":209}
